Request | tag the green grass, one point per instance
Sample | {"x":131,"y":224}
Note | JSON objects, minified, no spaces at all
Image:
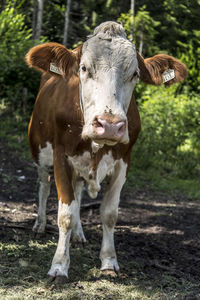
{"x":24,"y":266}
{"x":165,"y":182}
{"x":14,"y":132}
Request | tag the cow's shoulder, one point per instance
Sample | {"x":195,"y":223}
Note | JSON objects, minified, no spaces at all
{"x":56,"y":116}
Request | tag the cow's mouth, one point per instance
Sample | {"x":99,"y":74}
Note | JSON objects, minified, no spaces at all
{"x":105,"y":142}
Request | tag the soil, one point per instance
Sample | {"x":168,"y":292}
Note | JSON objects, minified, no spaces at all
{"x":159,"y":231}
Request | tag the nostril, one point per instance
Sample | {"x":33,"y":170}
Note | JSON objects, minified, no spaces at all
{"x":121,"y":128}
{"x":99,"y":123}
{"x":99,"y":126}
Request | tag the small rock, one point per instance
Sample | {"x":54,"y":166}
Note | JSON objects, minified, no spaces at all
{"x":23,"y":263}
{"x":21,"y":178}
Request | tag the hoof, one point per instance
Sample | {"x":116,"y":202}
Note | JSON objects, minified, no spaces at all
{"x":57,"y":279}
{"x":38,"y":236}
{"x":111,"y":273}
{"x":78,"y":240}
{"x":78,"y":236}
{"x":39,"y":227}
{"x":78,"y":243}
{"x":110,"y":264}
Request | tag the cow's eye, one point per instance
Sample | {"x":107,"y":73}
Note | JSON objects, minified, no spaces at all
{"x":83,"y":68}
{"x":135,"y":74}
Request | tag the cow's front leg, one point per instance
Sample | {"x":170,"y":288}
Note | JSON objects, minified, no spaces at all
{"x":109,"y":213}
{"x":67,"y":214}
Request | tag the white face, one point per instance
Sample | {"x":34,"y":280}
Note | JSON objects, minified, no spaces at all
{"x":108,"y":74}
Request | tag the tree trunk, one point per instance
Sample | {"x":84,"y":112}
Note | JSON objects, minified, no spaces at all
{"x":39,"y":19}
{"x":132,"y":21}
{"x":141,"y":41}
{"x":24,"y":100}
{"x":66,"y":27}
{"x":34,"y":18}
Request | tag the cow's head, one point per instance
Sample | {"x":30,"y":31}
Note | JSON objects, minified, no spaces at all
{"x":109,"y":68}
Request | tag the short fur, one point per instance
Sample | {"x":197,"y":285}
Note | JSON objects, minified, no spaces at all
{"x":57,"y":124}
{"x":41,"y":56}
{"x":151,"y":69}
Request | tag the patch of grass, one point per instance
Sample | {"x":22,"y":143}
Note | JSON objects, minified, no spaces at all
{"x":165,"y":182}
{"x":24,"y":267}
{"x":13,"y":132}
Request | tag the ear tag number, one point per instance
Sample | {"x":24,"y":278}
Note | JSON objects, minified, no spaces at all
{"x":168,"y":75}
{"x":55,"y":69}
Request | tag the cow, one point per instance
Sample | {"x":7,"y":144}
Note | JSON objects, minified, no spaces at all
{"x":84,"y":124}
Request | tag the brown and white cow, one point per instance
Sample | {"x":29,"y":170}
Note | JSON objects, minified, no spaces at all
{"x":84,"y":124}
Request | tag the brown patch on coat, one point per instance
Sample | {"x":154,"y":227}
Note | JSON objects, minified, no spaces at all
{"x":40,"y":57}
{"x":63,"y":175}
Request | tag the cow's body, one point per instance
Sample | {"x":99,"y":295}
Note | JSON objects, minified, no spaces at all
{"x":87,"y":142}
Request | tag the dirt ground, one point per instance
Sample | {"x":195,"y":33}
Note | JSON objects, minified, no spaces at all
{"x":159,"y":232}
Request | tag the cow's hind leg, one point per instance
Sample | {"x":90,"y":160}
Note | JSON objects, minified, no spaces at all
{"x":109,"y":213}
{"x":44,"y":191}
{"x":77,"y":230}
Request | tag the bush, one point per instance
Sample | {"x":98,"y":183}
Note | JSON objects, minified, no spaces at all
{"x":170,"y":137}
{"x":14,"y":73}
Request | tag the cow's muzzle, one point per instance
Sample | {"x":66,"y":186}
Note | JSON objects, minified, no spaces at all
{"x":109,"y":128}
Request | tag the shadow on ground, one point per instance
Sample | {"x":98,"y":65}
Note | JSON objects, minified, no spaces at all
{"x":157,"y":240}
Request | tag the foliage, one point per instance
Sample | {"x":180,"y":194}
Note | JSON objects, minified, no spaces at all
{"x":192,"y":59}
{"x":170,"y":131}
{"x":181,"y":18}
{"x":143,"y":24}
{"x":171,"y":27}
{"x":15,"y":41}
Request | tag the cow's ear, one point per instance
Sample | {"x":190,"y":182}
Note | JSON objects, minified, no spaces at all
{"x":54,"y":58}
{"x":161,"y":68}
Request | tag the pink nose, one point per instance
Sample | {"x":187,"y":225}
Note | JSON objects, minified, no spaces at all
{"x":108,"y":129}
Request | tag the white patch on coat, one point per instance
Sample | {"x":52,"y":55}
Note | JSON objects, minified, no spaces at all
{"x":77,"y":230}
{"x":61,"y":260}
{"x":45,"y":161}
{"x":96,"y":147}
{"x":44,"y":191}
{"x":67,"y":218}
{"x":46,"y":155}
{"x":82,"y":165}
{"x":109,"y":213}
